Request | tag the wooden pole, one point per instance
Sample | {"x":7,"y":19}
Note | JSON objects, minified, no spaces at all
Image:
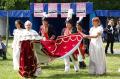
{"x":7,"y":31}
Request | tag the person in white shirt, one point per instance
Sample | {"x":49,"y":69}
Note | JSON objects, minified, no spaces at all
{"x":16,"y":43}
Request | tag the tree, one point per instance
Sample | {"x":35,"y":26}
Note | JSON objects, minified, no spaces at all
{"x":6,"y":4}
{"x":106,"y":4}
{"x":14,"y":4}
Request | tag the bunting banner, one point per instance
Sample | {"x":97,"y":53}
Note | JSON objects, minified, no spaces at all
{"x":52,"y":9}
{"x":80,"y":9}
{"x":64,"y":9}
{"x":38,"y":9}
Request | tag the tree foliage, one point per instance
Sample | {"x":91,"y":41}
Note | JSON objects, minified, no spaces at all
{"x":106,"y":4}
{"x":14,"y":4}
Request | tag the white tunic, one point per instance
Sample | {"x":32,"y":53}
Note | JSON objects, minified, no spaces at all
{"x":97,"y":64}
{"x":16,"y":47}
{"x":30,"y":35}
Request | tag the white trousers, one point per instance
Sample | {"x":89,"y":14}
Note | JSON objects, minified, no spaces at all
{"x":80,"y":59}
{"x":67,"y":63}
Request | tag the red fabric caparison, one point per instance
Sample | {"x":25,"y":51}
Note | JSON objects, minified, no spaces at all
{"x":28,"y":61}
{"x":62,"y":45}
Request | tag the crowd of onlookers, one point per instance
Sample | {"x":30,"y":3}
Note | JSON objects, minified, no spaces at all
{"x":116,"y":25}
{"x":111,"y":34}
{"x":118,"y":28}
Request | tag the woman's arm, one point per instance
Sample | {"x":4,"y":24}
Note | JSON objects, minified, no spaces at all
{"x":92,"y":36}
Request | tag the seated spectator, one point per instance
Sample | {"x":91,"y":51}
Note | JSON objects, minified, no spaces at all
{"x":2,"y":49}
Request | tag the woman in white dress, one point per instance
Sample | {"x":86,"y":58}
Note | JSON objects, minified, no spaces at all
{"x":15,"y":45}
{"x":97,"y":64}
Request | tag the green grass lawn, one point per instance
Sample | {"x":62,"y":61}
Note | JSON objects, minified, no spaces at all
{"x":55,"y":70}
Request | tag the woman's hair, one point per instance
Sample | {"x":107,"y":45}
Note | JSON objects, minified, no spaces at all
{"x":45,"y":19}
{"x":118,"y":22}
{"x":69,"y":21}
{"x":79,"y":23}
{"x":111,"y":22}
{"x":79,"y":26}
{"x":20,"y":23}
{"x":97,"y":20}
{"x":27,"y":22}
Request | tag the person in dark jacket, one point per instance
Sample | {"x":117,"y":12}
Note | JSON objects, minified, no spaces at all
{"x":110,"y":30}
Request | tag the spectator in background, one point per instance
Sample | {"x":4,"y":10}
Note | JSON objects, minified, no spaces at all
{"x":0,"y":45}
{"x":118,"y":29}
{"x":110,"y":30}
{"x":2,"y":49}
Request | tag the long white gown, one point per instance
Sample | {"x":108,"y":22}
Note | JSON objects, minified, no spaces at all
{"x":97,"y":64}
{"x":16,"y":48}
